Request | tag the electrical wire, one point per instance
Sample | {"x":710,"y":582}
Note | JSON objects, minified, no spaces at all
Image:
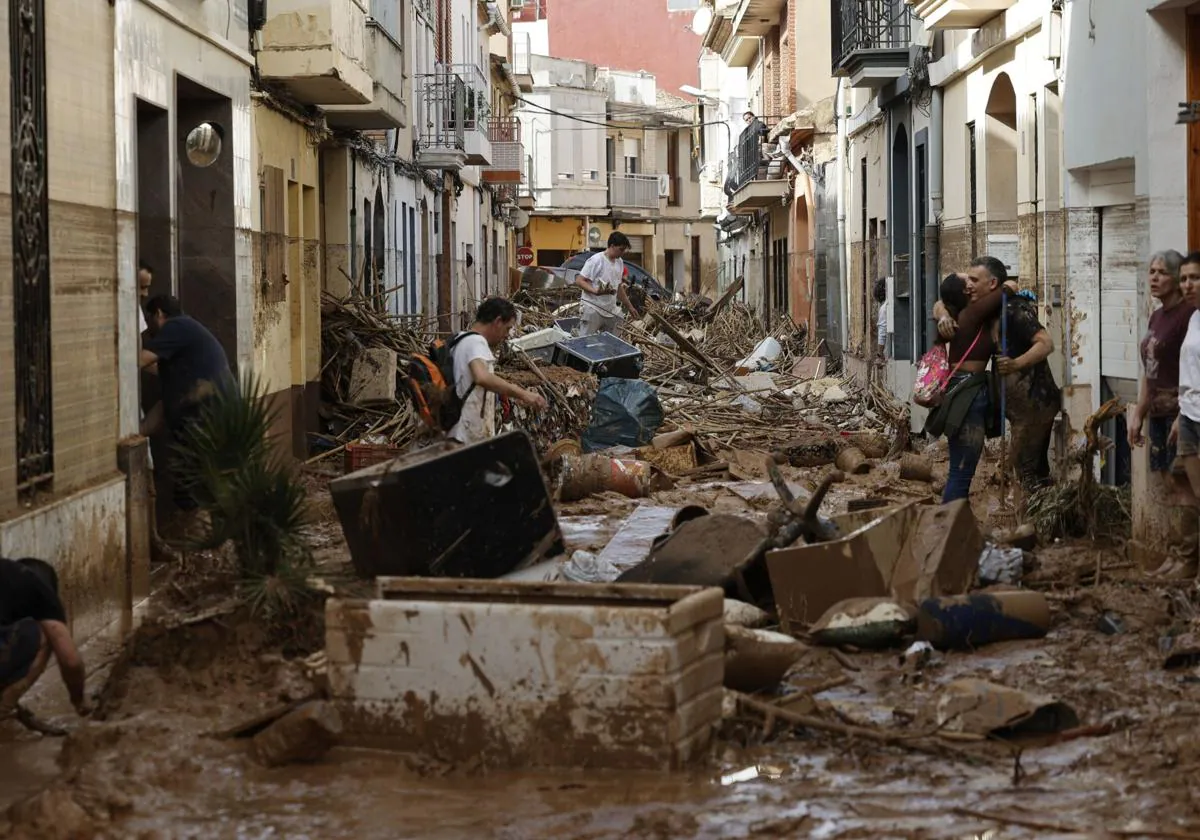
{"x":619,"y":125}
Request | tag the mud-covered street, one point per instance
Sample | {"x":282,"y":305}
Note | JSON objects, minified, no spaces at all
{"x":155,"y":765}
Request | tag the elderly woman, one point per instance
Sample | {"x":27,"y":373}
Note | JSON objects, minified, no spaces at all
{"x":1158,"y":395}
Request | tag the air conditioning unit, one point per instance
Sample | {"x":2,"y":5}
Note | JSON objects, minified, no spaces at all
{"x":516,"y":4}
{"x":591,"y":175}
{"x":664,"y":186}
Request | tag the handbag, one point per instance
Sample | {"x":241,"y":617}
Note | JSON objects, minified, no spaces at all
{"x":934,"y":374}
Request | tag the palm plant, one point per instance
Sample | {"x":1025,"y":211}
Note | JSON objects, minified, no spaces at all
{"x":251,"y":499}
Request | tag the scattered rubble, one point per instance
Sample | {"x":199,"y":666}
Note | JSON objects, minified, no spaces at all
{"x":302,"y":735}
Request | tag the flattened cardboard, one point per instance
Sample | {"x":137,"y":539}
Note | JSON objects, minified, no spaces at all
{"x":909,"y":553}
{"x":979,"y":707}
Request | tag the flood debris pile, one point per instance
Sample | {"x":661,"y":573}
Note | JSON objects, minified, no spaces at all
{"x":366,"y":402}
{"x":1082,"y":507}
{"x":360,"y":352}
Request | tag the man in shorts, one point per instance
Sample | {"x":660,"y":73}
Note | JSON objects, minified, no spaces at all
{"x":602,"y":280}
{"x":33,"y":626}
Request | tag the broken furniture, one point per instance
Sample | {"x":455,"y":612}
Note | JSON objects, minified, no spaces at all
{"x":520,"y":674}
{"x":449,"y":511}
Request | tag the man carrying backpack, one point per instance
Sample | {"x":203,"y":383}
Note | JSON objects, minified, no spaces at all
{"x":475,"y":382}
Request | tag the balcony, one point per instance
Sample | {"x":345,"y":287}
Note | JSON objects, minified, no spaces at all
{"x":508,"y":154}
{"x":958,"y":14}
{"x":387,"y":109}
{"x":871,"y":40}
{"x":633,"y":192}
{"x":317,"y":51}
{"x":755,"y":177}
{"x":753,"y":19}
{"x":522,"y":45}
{"x":526,"y":199}
{"x":451,"y":132}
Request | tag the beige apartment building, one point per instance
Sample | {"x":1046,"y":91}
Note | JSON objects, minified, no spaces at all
{"x":62,"y":496}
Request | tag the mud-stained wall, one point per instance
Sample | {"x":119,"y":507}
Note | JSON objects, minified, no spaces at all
{"x":287,"y":274}
{"x":84,"y":536}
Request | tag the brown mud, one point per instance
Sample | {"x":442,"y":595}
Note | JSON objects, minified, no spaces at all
{"x":151,"y":768}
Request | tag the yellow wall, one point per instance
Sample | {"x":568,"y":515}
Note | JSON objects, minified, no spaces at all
{"x":287,"y":313}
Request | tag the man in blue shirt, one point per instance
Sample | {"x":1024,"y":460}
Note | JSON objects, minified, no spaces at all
{"x":191,"y":366}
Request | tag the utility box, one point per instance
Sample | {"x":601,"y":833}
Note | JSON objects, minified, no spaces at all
{"x":520,"y":674}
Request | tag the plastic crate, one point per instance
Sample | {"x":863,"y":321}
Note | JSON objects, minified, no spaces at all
{"x":359,"y":456}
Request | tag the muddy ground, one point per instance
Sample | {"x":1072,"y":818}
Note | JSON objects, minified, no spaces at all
{"x":152,"y":768}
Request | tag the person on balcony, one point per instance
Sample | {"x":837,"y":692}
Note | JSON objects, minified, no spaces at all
{"x":603,"y":284}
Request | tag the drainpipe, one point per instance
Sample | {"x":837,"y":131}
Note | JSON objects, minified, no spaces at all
{"x":933,"y":229}
{"x":935,"y":155}
{"x":842,"y":245}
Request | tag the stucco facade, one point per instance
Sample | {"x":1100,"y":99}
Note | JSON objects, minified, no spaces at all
{"x":68,"y":505}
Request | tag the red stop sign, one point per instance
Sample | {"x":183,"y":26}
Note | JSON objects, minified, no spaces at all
{"x":524,"y":256}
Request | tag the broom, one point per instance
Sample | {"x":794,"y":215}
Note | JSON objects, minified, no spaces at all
{"x":1006,"y":515}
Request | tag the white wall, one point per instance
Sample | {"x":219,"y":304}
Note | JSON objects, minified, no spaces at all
{"x":1126,"y":161}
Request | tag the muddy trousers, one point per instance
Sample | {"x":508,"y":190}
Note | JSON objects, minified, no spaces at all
{"x":1031,"y":450}
{"x":966,"y":447}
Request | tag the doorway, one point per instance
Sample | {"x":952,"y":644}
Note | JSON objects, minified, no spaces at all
{"x":901,"y":247}
{"x":695,"y":265}
{"x":154,"y":195}
{"x":207,"y":264}
{"x":1193,"y":130}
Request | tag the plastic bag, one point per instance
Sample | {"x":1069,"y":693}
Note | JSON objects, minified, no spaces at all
{"x":1001,"y":565}
{"x":585,"y":567}
{"x":626,"y":413}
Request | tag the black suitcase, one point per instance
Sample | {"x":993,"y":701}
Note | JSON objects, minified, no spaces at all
{"x":476,"y":511}
{"x":603,"y":354}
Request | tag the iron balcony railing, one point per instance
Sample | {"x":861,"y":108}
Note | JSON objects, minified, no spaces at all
{"x":639,"y":192}
{"x":508,"y":155}
{"x":748,"y":159}
{"x":868,"y":25}
{"x":454,"y":100}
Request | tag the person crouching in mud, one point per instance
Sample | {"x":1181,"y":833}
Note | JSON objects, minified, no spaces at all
{"x":968,"y":307}
{"x":33,"y":626}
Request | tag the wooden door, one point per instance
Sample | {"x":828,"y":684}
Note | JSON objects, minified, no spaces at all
{"x":1193,"y":131}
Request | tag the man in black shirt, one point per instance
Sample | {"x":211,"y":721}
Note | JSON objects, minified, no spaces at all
{"x":191,"y":366}
{"x":33,"y":626}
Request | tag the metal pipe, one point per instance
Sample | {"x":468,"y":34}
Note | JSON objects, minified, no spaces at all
{"x":936,"y":154}
{"x":843,"y":245}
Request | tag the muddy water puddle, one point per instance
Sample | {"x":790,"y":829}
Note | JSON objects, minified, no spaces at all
{"x":370,"y":795}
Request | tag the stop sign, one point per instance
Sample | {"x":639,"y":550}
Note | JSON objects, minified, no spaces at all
{"x":524,"y":256}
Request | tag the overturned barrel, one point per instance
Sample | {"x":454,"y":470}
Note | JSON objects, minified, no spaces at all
{"x":963,"y":622}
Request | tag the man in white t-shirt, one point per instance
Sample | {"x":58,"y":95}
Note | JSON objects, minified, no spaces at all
{"x":474,"y":373}
{"x":602,"y":280}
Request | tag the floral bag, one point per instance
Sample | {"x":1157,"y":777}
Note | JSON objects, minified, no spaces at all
{"x":934,"y":374}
